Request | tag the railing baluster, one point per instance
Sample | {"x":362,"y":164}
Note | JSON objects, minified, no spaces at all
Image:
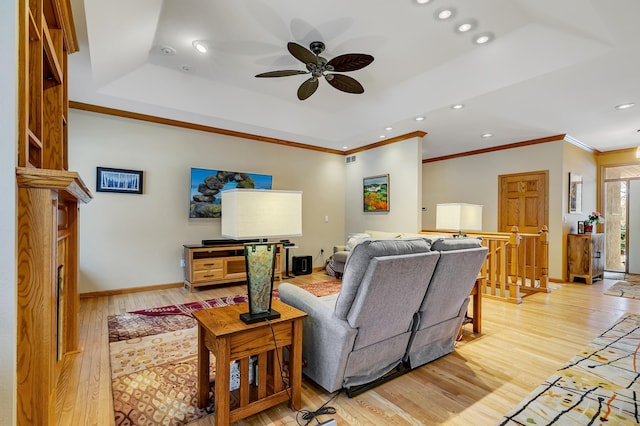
{"x":515,"y":262}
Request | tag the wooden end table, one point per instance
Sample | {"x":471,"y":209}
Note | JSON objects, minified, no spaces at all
{"x":221,"y":331}
{"x":476,"y":294}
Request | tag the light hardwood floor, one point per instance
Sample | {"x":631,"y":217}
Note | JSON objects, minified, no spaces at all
{"x":521,"y":345}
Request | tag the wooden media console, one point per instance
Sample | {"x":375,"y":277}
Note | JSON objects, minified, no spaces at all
{"x":219,"y":264}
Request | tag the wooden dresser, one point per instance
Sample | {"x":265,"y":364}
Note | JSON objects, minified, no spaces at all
{"x":585,"y":256}
{"x":219,"y":264}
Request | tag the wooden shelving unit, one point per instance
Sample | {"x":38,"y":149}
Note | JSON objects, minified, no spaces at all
{"x":48,"y":199}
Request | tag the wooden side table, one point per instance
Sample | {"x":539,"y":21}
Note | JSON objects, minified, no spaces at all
{"x":221,"y":331}
{"x":585,"y":257}
{"x":476,"y":296}
{"x":476,"y":302}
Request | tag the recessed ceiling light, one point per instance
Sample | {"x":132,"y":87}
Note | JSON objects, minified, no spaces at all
{"x":457,"y":106}
{"x":345,"y":147}
{"x":483,"y":38}
{"x":419,"y":118}
{"x":466,"y":26}
{"x":388,"y":128}
{"x":186,"y":68}
{"x":200,"y":46}
{"x":167,"y":50}
{"x":444,"y":14}
{"x":486,"y":135}
{"x":382,"y":136}
{"x":423,"y":1}
{"x":626,"y":106}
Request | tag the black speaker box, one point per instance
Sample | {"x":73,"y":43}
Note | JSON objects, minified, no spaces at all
{"x":302,"y":265}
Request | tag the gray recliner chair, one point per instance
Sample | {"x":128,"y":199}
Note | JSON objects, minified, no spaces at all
{"x":362,"y":334}
{"x":387,"y":318}
{"x":444,"y":308}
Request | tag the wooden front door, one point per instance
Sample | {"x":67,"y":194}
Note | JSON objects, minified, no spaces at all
{"x":523,"y":201}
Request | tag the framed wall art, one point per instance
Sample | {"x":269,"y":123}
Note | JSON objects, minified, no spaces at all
{"x":118,"y":180}
{"x":575,"y":193}
{"x":581,"y":227}
{"x":375,"y":193}
{"x":206,"y":188}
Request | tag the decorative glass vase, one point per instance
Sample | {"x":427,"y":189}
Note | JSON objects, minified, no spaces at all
{"x":588,"y":228}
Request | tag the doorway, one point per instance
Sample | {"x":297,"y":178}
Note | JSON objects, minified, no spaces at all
{"x":622,"y":218}
{"x":523,"y":202}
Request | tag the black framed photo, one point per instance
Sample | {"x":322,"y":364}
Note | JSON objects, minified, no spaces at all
{"x":118,"y":180}
{"x":581,"y":227}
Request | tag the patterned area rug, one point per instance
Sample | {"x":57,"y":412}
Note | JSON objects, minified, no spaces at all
{"x":154,"y":362}
{"x":632,"y":278}
{"x":598,"y":386}
{"x":624,"y":289}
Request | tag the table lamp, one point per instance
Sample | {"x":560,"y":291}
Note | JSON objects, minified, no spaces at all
{"x":262,"y":214}
{"x":459,"y":217}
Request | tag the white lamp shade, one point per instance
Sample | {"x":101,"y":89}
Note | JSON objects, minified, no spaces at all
{"x":459,"y":217}
{"x":258,"y":213}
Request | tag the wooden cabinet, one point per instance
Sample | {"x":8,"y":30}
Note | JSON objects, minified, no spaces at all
{"x":585,"y":256}
{"x":47,"y":212}
{"x":207,"y":265}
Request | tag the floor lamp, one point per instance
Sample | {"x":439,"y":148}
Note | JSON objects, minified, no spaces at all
{"x":459,"y":217}
{"x":261,"y":214}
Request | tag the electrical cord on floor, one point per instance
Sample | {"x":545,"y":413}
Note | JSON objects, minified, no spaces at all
{"x":307,"y":415}
{"x":275,"y":345}
{"x":324,"y":410}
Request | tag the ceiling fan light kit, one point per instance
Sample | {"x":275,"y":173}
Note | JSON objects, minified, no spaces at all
{"x":318,"y":67}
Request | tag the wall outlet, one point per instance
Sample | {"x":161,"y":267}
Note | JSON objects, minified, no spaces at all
{"x":182,"y":263}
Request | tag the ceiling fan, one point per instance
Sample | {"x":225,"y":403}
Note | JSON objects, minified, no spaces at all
{"x":318,"y":67}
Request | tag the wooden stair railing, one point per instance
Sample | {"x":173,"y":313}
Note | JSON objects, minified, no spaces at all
{"x":516,"y":264}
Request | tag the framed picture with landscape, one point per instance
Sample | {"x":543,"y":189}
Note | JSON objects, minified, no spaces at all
{"x":575,"y":193}
{"x":375,"y":193}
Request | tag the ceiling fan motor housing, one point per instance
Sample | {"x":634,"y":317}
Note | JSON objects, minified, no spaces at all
{"x":317,"y":47}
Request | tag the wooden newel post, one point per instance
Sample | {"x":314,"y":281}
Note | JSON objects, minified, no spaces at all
{"x":544,"y":257}
{"x":514,"y":243}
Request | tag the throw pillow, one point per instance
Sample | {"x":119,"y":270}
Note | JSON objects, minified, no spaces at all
{"x":328,"y":266}
{"x":354,"y":239}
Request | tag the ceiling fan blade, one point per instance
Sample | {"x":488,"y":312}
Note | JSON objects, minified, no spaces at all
{"x":302,"y":54}
{"x":344,"y":83}
{"x":350,"y":62}
{"x":282,"y":73}
{"x":307,"y":88}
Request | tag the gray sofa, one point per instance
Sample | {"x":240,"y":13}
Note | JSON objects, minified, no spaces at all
{"x":342,"y":251}
{"x":387,"y":318}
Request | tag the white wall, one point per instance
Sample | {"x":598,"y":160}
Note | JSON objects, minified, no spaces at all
{"x":131,"y":240}
{"x":474,"y":179}
{"x":403,"y":162}
{"x":581,"y":162}
{"x":8,"y":152}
